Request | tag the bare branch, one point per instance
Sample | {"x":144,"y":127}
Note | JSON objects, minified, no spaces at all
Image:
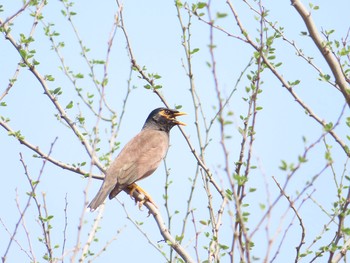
{"x":322,"y":46}
{"x":12,"y":17}
{"x":164,"y":231}
{"x":43,"y":155}
{"x":291,"y":204}
{"x":166,"y":235}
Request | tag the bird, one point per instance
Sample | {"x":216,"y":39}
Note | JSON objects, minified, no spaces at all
{"x":140,"y":157}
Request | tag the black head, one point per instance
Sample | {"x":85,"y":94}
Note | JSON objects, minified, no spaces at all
{"x":163,"y":119}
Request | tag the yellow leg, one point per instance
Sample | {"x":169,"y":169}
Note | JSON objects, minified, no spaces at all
{"x":134,"y":187}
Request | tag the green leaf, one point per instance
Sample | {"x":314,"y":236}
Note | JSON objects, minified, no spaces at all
{"x":283,"y":166}
{"x":220,"y":15}
{"x":201,"y":5}
{"x":79,"y":76}
{"x":294,"y":83}
{"x":302,"y":159}
{"x":241,"y":179}
{"x":3,"y":104}
{"x":330,"y":32}
{"x":70,"y":105}
{"x":179,"y":238}
{"x":104,"y":82}
{"x":328,"y":127}
{"x":35,"y":62}
{"x":195,"y":50}
{"x":224,"y":247}
{"x":325,"y":77}
{"x":34,"y":183}
{"x":99,"y":62}
{"x":49,"y":78}
{"x":81,"y":120}
{"x":203,"y":222}
{"x":262,"y":206}
{"x":23,"y":54}
{"x":278,"y":64}
{"x":348,"y":121}
{"x":229,"y":194}
{"x":343,"y":52}
{"x":328,"y":156}
{"x":168,"y":242}
{"x":17,"y":134}
{"x":178,"y":4}
{"x":56,"y":91}
{"x":31,"y":194}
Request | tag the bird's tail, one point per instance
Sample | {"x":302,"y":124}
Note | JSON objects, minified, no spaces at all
{"x":99,"y":198}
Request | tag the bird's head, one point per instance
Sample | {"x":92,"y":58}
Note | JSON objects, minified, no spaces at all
{"x":163,"y":119}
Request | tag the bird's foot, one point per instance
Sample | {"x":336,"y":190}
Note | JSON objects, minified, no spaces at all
{"x":134,"y":187}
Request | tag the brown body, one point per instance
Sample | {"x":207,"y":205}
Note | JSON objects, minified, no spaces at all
{"x":140,"y":157}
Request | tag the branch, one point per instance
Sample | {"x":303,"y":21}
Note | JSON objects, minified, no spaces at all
{"x":139,"y":228}
{"x":150,"y":81}
{"x":284,"y":82}
{"x":10,"y":18}
{"x":342,"y":252}
{"x":45,"y":156}
{"x":165,"y":232}
{"x":324,"y":49}
{"x":152,"y":210}
{"x":291,"y":204}
{"x":61,"y":111}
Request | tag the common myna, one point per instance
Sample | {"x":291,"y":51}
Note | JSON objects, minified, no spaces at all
{"x":140,"y":157}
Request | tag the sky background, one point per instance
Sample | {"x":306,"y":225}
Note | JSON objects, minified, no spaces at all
{"x":155,"y":36}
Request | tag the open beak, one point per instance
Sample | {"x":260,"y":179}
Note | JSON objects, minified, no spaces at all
{"x":176,"y":114}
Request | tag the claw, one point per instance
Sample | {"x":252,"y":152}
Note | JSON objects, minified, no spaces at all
{"x":133,"y":187}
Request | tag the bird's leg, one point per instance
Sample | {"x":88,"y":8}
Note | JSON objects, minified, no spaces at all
{"x":134,"y":187}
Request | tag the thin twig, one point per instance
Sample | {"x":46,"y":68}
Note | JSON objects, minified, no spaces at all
{"x":322,"y":46}
{"x":301,"y":223}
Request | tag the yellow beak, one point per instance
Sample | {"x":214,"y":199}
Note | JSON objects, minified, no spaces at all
{"x":179,"y":113}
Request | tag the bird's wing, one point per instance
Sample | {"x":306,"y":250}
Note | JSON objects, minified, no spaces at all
{"x":157,"y":144}
{"x":139,"y":158}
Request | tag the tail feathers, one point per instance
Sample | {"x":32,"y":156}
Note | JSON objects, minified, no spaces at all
{"x":116,"y":190}
{"x":99,"y":198}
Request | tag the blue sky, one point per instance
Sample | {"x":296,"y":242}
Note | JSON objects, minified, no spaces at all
{"x":155,"y":37}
